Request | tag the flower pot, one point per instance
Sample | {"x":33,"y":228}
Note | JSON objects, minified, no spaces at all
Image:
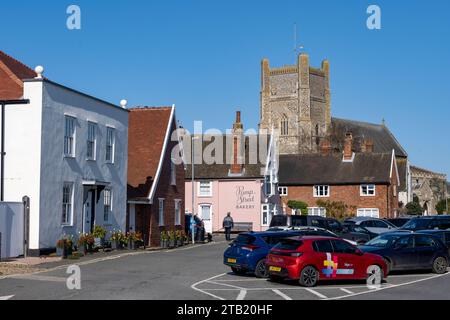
{"x":171,"y":243}
{"x":132,"y":245}
{"x":82,"y":249}
{"x":61,"y":252}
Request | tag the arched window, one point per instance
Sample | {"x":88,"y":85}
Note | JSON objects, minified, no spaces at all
{"x":284,"y":127}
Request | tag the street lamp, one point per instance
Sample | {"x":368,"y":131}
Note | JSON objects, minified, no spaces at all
{"x":4,"y":103}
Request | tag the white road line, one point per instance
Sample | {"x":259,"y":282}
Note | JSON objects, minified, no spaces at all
{"x":389,"y":287}
{"x":281,"y":294}
{"x":321,"y":296}
{"x":241,"y":295}
{"x":226,"y":285}
{"x":347,"y":291}
{"x":6,"y":298}
{"x":194,"y":287}
{"x":240,"y":280}
{"x":39,"y":278}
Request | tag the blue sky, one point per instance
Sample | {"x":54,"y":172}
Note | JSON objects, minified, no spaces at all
{"x":204,"y":56}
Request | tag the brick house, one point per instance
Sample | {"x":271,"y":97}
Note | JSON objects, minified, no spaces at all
{"x":367,"y":182}
{"x":155,"y":182}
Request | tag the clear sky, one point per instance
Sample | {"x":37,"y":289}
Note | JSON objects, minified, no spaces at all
{"x":204,"y":56}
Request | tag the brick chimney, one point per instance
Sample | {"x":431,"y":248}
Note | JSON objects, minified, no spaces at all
{"x":325,"y":147}
{"x":348,"y":144}
{"x":237,"y":165}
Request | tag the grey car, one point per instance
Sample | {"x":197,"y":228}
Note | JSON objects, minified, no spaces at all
{"x":377,"y":226}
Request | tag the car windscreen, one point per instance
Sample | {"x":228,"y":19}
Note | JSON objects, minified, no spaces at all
{"x":288,"y":244}
{"x":278,"y":221}
{"x":383,"y":241}
{"x":417,"y":223}
{"x":244,"y":239}
{"x":299,"y":221}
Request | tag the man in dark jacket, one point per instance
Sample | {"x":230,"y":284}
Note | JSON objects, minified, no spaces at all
{"x":228,"y":224}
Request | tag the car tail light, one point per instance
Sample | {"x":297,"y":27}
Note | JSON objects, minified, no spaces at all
{"x":250,"y":247}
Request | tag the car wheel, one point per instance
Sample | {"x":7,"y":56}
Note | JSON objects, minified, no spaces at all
{"x":261,"y":269}
{"x":374,"y":275}
{"x":440,"y":265}
{"x":309,"y":277}
{"x":237,"y":271}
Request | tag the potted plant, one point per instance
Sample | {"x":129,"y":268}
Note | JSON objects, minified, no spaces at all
{"x":99,"y":235}
{"x":83,"y":243}
{"x":172,"y":239}
{"x":124,"y":239}
{"x":61,"y":248}
{"x":164,"y":239}
{"x":179,"y":238}
{"x":134,"y":239}
{"x":116,"y":239}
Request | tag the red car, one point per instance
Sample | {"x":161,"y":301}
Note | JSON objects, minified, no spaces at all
{"x":310,"y":259}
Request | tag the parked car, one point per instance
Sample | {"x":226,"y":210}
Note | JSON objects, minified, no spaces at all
{"x":443,"y":235}
{"x":374,"y":225}
{"x":315,"y":231}
{"x":430,"y":222}
{"x":357,"y":234}
{"x":410,"y":251}
{"x":400,"y":221}
{"x":308,"y":259}
{"x":247,"y":253}
{"x":285,"y":222}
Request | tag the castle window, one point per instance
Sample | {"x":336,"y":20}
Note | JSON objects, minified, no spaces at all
{"x":284,"y":128}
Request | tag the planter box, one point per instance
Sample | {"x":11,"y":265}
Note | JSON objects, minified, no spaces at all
{"x":62,"y":252}
{"x":115,"y":245}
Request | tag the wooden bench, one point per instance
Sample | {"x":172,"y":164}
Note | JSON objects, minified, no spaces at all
{"x":242,"y":227}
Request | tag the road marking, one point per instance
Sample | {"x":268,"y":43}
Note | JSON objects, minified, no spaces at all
{"x":6,"y":298}
{"x":281,"y":294}
{"x":321,"y":296}
{"x":39,"y":278}
{"x":347,"y":291}
{"x":241,"y":295}
{"x":389,"y":287}
{"x":194,"y":287}
{"x":241,"y":280}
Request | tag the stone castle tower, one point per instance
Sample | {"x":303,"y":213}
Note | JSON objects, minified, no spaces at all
{"x":295,"y":101}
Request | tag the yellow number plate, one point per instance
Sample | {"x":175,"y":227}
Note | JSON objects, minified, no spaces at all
{"x":276,"y":269}
{"x":232,"y":260}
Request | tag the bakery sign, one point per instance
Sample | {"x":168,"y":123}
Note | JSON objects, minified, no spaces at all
{"x":245,"y":198}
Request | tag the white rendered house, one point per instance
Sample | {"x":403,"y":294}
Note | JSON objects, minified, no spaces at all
{"x":66,"y":151}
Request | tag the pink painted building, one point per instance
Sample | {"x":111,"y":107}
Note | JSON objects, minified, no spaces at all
{"x":248,"y":190}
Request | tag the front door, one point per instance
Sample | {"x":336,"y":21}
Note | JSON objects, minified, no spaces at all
{"x":206,"y":216}
{"x":89,"y":212}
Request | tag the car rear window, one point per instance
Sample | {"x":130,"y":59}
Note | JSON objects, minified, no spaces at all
{"x":278,"y":221}
{"x":245,"y":239}
{"x":417,"y":223}
{"x":288,"y":244}
{"x":299,"y":221}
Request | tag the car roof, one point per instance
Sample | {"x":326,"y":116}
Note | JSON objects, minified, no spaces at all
{"x":361,"y":219}
{"x":311,"y":238}
{"x":268,"y":233}
{"x":446,"y":216}
{"x":432,"y":231}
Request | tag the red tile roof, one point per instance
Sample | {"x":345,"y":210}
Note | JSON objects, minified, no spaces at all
{"x":18,"y":68}
{"x":147,"y":129}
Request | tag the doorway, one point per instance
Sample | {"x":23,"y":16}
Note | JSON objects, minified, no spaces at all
{"x":89,"y":212}
{"x":205,"y":214}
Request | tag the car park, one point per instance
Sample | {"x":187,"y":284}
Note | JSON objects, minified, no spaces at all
{"x":410,"y":251}
{"x":427,"y":223}
{"x":284,"y":222}
{"x":374,"y":225}
{"x":310,"y":259}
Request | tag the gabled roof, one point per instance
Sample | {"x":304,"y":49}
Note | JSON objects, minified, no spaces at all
{"x":384,"y":140}
{"x":313,"y":169}
{"x":19,"y":69}
{"x":148,"y":137}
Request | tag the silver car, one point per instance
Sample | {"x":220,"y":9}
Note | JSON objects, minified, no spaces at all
{"x":374,"y":225}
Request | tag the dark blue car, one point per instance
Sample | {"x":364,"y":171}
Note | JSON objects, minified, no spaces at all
{"x":248,"y":252}
{"x":410,"y":251}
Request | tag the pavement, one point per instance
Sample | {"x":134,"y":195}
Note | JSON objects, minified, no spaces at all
{"x":196,"y":272}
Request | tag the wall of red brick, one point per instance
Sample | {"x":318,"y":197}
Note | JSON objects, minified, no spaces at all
{"x":349,"y":194}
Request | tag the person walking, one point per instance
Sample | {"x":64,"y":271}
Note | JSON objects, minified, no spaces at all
{"x":228,"y":224}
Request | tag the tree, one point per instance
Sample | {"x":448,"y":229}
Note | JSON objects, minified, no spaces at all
{"x":414,"y":208}
{"x":337,"y":209}
{"x":298,"y":205}
{"x":441,"y":207}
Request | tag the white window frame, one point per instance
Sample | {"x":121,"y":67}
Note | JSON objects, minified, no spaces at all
{"x":268,"y":210}
{"x":317,"y":211}
{"x":368,"y":212}
{"x":370,"y":190}
{"x":317,"y":191}
{"x":173,"y":173}
{"x":177,"y":203}
{"x":69,"y":137}
{"x":107,"y":213}
{"x":283,"y":191}
{"x":67,"y":207}
{"x":161,"y":212}
{"x":112,"y":145}
{"x":94,"y":126}
{"x":202,"y":194}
